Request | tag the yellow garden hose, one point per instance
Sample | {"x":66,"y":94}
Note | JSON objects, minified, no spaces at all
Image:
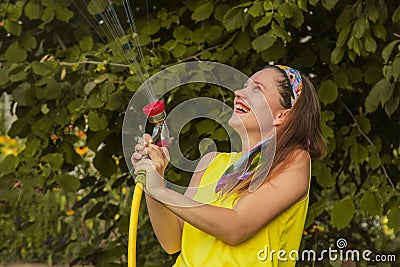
{"x":133,"y":222}
{"x":156,"y":114}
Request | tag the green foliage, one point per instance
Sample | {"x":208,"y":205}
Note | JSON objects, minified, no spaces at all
{"x":65,"y":197}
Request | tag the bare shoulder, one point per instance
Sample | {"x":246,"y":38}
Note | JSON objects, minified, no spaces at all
{"x":296,"y":175}
{"x":300,"y":159}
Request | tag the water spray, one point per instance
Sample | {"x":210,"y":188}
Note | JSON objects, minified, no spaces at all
{"x":156,"y":114}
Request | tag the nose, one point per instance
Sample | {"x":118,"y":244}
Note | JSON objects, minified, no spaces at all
{"x":240,"y":93}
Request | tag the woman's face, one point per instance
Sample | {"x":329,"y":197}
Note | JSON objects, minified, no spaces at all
{"x":257,"y":107}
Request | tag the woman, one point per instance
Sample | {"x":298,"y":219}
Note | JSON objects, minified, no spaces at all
{"x":243,"y":227}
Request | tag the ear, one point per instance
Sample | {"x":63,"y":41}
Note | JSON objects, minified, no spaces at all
{"x":280,"y":117}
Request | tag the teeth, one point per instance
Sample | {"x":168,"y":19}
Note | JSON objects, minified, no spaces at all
{"x":241,"y":108}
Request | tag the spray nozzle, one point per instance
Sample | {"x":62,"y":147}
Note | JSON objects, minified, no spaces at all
{"x":155,"y":112}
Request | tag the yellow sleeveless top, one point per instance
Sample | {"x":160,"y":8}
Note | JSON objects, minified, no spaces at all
{"x":199,"y":249}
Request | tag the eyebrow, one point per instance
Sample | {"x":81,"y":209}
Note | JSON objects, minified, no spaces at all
{"x":258,"y":83}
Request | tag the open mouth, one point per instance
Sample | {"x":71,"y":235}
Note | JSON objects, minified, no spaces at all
{"x":241,"y":108}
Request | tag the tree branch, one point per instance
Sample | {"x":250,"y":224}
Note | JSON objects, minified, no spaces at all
{"x":369,"y":141}
{"x":195,"y":56}
{"x":93,"y":62}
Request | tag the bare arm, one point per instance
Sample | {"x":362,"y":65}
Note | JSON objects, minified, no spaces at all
{"x":251,"y":213}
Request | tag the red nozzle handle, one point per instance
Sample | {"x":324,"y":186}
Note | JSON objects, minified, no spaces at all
{"x":154,"y":108}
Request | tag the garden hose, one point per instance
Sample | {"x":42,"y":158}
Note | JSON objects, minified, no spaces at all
{"x":133,"y":222}
{"x":156,"y":114}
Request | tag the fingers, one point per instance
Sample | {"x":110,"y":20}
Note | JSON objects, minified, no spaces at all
{"x":156,"y":152}
{"x":159,"y":156}
{"x":143,"y":165}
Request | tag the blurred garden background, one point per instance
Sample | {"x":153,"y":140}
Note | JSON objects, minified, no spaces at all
{"x":65,"y":189}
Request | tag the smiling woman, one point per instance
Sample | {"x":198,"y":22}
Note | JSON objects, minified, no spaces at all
{"x":277,"y":104}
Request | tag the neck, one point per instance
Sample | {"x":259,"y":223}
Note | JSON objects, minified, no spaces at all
{"x":249,"y":140}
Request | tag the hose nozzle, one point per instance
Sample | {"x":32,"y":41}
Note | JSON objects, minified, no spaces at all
{"x":155,"y":112}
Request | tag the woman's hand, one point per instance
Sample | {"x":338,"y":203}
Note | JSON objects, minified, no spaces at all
{"x":153,"y":160}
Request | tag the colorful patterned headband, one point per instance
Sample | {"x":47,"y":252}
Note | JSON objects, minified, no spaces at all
{"x":296,"y":82}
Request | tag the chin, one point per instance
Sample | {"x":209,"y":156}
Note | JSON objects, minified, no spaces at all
{"x":237,"y":124}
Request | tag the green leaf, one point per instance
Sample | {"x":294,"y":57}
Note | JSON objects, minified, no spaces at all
{"x":63,"y":13}
{"x":396,"y":68}
{"x":96,"y":7}
{"x":264,"y":21}
{"x":379,"y":31}
{"x":323,"y":174}
{"x":387,"y":51}
{"x":8,"y":165}
{"x":242,"y":42}
{"x":68,"y":182}
{"x":355,"y":74}
{"x":41,"y":69}
{"x":42,"y":127}
{"x":23,"y":94}
{"x":14,"y":12}
{"x":373,"y":12}
{"x":342,"y":213}
{"x":341,"y":79}
{"x":15,"y":53}
{"x":396,"y":15}
{"x":337,"y":55}
{"x":33,"y":10}
{"x":52,"y":90}
{"x":86,"y":44}
{"x":329,"y":4}
{"x":96,"y":122}
{"x":75,"y":105}
{"x":27,"y":41}
{"x":302,"y":4}
{"x":394,"y":219}
{"x":358,"y":153}
{"x":97,"y":100}
{"x":263,"y":42}
{"x":256,"y":10}
{"x":280,"y":32}
{"x":13,"y":27}
{"x":370,"y":44}
{"x":343,"y":35}
{"x":298,"y":18}
{"x":203,"y":12}
{"x":115,"y":100}
{"x":392,"y":105}
{"x":364,"y":123}
{"x":55,"y":160}
{"x":381,"y":92}
{"x":374,"y":161}
{"x":328,"y":92}
{"x":371,"y":203}
{"x":89,"y":87}
{"x":285,"y":10}
{"x":32,"y":147}
{"x":359,"y":27}
{"x":48,"y":14}
{"x":373,"y":74}
{"x":233,"y":19}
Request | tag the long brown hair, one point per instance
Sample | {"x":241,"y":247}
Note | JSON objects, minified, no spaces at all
{"x":301,"y":129}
